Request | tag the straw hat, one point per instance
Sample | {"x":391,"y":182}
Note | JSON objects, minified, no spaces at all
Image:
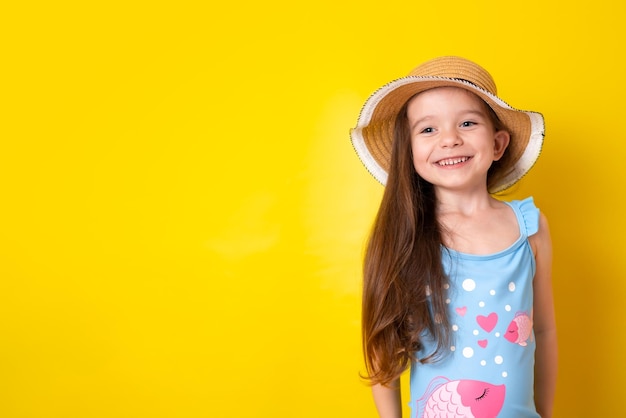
{"x":373,"y":133}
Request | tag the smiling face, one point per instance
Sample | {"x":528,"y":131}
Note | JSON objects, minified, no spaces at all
{"x":453,"y":138}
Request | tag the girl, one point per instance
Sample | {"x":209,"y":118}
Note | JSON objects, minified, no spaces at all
{"x":457,"y":284}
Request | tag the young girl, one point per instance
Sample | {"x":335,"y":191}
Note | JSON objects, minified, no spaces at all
{"x":457,"y":284}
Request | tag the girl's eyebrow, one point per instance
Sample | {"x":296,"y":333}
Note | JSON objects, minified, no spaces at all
{"x":473,"y":112}
{"x":417,"y":122}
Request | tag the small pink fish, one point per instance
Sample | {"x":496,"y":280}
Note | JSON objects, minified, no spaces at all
{"x":461,"y":399}
{"x":520,"y":329}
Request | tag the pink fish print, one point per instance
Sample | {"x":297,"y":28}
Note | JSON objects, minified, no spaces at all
{"x":461,"y":399}
{"x":520,"y":330}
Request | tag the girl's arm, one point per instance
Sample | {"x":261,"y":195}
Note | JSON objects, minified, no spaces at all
{"x":544,"y":322}
{"x":387,"y":400}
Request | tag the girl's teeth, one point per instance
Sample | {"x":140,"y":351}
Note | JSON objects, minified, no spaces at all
{"x":453,"y":161}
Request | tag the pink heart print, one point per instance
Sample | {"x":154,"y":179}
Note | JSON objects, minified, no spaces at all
{"x":482,"y":343}
{"x":488,"y":323}
{"x":462,"y":311}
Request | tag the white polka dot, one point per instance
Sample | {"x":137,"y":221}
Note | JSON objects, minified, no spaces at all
{"x":446,"y":286}
{"x":512,"y":287}
{"x":497,"y":334}
{"x":483,"y":363}
{"x":504,"y":374}
{"x":468,"y":352}
{"x":453,"y":348}
{"x":481,"y":304}
{"x":475,"y":332}
{"x":448,"y":301}
{"x":492,"y":292}
{"x":427,"y":290}
{"x":507,"y":308}
{"x":498,"y":359}
{"x":455,"y":327}
{"x":469,"y":285}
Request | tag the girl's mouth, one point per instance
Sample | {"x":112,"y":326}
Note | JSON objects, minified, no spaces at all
{"x":452,"y":161}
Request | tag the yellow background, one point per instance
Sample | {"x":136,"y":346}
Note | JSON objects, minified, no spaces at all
{"x":183,"y":216}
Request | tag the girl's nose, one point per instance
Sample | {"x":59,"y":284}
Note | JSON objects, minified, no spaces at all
{"x":450,"y":139}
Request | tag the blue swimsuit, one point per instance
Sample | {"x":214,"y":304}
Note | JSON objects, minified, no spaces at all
{"x":489,"y":370}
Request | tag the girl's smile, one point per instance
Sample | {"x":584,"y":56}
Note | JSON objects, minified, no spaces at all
{"x":452,"y":162}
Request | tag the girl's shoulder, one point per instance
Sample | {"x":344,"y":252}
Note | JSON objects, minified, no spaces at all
{"x":533,"y":223}
{"x":528,"y":215}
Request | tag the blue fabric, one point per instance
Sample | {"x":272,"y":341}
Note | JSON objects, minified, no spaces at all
{"x":489,"y":370}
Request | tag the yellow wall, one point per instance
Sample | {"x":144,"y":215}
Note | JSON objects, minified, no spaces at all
{"x":183,"y":216}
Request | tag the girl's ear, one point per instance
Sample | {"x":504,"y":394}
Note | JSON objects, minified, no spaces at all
{"x":501,"y":141}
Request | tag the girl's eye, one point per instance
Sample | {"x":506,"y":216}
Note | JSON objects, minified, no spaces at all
{"x":468,"y":123}
{"x":427,"y":131}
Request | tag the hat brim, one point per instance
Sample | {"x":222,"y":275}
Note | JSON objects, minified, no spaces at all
{"x":373,"y":135}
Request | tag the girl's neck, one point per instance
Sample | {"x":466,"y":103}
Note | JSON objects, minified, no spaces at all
{"x":475,"y":223}
{"x":465,"y":202}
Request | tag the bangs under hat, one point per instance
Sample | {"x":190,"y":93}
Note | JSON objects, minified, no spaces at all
{"x":373,"y":135}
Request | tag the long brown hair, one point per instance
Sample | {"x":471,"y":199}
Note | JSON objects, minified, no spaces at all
{"x":404,"y":292}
